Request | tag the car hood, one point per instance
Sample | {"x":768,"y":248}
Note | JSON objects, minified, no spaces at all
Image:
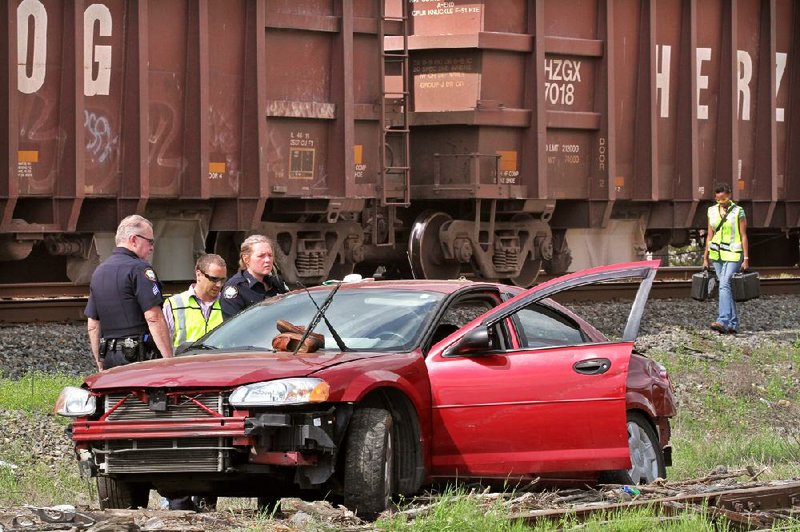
{"x":218,"y":371}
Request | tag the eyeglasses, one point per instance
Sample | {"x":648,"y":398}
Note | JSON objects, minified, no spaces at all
{"x":215,"y":280}
{"x":151,"y":241}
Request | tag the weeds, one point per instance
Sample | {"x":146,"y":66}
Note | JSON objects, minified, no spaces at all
{"x":35,"y":392}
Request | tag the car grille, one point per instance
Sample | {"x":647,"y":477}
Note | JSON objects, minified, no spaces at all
{"x":168,"y":455}
{"x":180,"y":455}
{"x":133,"y":408}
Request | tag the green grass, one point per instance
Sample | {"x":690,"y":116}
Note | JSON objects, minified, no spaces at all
{"x":456,"y":511}
{"x":34,"y":392}
{"x":38,"y":484}
{"x":735,"y":411}
{"x":643,"y":519}
{"x":728,"y":415}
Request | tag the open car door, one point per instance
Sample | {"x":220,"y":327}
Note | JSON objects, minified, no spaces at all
{"x":517,"y":407}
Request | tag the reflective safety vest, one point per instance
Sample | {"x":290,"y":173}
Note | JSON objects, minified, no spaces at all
{"x":187,"y":315}
{"x":726,"y":244}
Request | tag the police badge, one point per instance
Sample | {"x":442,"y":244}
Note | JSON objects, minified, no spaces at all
{"x":230,"y":292}
{"x":150,"y":274}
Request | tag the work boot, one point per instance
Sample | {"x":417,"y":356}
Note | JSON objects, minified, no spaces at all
{"x":720,"y":328}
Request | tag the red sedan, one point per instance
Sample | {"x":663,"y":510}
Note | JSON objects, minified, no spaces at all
{"x":415,"y":381}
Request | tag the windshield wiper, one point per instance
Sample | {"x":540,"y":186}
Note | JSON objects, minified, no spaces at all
{"x":201,"y":347}
{"x":321,"y":314}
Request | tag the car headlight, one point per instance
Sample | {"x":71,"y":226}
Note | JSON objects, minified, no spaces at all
{"x":281,"y":392}
{"x":75,"y":402}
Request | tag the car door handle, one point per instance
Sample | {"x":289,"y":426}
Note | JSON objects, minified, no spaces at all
{"x":593,"y":366}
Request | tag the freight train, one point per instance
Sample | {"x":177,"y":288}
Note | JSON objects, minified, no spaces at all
{"x":493,"y":138}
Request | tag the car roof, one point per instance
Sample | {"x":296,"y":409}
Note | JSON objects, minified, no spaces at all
{"x":445,"y":286}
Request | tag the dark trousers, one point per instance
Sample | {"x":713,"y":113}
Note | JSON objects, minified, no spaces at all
{"x":113,"y":359}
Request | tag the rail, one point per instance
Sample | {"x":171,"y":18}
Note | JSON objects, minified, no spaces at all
{"x":64,"y":302}
{"x":748,"y":507}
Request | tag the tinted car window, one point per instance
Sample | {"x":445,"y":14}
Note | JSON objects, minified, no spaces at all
{"x":542,"y":327}
{"x":369,"y":319}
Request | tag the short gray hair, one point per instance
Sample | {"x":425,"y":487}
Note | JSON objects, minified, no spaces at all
{"x":247,"y":247}
{"x":129,"y":226}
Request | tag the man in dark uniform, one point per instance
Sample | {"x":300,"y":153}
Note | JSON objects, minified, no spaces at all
{"x":256,"y":279}
{"x":125,"y":322}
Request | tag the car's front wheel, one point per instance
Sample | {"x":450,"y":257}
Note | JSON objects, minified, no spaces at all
{"x":369,"y":462}
{"x":118,"y":494}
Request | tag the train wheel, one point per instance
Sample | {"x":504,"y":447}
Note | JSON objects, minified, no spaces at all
{"x":530,"y":268}
{"x":425,"y":247}
{"x":528,"y":274}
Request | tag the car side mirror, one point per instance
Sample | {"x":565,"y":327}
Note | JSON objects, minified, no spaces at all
{"x":181,"y":349}
{"x":475,"y":343}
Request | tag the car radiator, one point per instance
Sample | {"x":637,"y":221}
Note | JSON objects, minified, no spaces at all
{"x":164,"y":455}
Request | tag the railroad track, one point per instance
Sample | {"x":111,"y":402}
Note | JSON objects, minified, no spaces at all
{"x":747,"y":507}
{"x":64,"y":302}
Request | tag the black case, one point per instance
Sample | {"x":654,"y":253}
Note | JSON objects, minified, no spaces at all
{"x":746,"y":286}
{"x":703,"y":285}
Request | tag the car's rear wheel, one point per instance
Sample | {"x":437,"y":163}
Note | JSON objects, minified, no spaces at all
{"x":118,"y":494}
{"x":647,"y":458}
{"x":369,"y":462}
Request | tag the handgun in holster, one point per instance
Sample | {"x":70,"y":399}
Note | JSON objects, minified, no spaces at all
{"x":131,"y":348}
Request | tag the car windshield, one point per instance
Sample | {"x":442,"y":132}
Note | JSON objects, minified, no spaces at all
{"x":368,"y":319}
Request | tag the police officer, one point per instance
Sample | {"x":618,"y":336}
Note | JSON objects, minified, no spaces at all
{"x":256,"y":279}
{"x":125,"y":322}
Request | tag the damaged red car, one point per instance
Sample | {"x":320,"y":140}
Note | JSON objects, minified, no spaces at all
{"x":411,"y":382}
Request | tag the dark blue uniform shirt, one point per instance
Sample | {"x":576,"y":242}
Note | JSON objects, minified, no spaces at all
{"x":243,"y":290}
{"x":123,"y":287}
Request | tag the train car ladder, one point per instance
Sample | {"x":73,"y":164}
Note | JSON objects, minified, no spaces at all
{"x":395,"y":180}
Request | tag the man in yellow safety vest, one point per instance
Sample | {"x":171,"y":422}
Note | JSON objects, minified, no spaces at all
{"x":193,"y":313}
{"x":190,"y":315}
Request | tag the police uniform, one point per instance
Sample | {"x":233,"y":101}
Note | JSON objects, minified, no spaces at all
{"x":122,"y":288}
{"x":243,"y":290}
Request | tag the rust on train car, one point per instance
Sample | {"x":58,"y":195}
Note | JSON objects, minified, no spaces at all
{"x":432,"y":138}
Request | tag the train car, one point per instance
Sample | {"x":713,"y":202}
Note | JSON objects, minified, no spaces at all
{"x":432,"y":139}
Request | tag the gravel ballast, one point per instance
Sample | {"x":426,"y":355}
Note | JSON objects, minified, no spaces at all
{"x":64,"y":348}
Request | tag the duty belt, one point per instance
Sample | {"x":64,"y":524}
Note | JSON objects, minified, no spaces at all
{"x":114,"y":344}
{"x":132,"y":347}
